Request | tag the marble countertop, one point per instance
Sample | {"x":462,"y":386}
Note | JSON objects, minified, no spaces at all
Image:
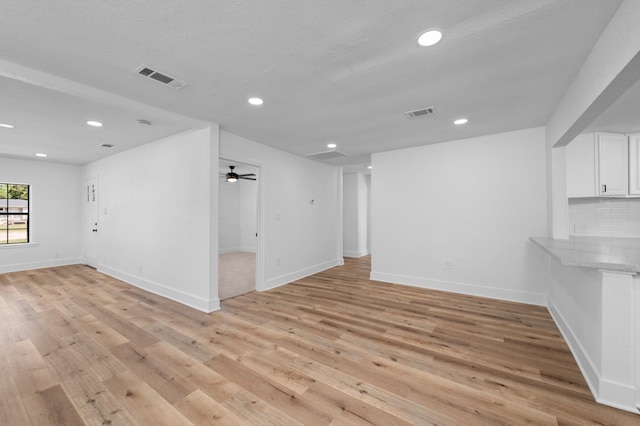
{"x":614,"y":254}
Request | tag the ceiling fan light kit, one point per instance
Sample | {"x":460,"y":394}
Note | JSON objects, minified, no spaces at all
{"x":232,"y":176}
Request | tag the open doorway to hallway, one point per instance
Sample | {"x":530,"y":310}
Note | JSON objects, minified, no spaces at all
{"x":356,"y":219}
{"x":238,"y":228}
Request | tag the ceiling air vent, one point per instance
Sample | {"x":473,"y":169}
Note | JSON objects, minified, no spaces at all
{"x":327,"y":155}
{"x":163,"y":78}
{"x":106,"y":145}
{"x":420,"y":112}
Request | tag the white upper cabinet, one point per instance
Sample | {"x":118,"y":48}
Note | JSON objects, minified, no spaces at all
{"x":603,"y":165}
{"x":581,"y":166}
{"x":634,"y":164}
{"x":613,"y":164}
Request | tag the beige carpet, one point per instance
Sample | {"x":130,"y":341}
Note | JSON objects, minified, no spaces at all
{"x":236,"y":274}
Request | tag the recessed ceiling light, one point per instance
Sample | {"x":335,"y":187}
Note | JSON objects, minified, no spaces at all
{"x":41,"y":155}
{"x":331,"y":145}
{"x":429,"y":38}
{"x":94,"y":123}
{"x":256,"y":101}
{"x":460,"y":121}
{"x":6,"y":126}
{"x":369,"y":167}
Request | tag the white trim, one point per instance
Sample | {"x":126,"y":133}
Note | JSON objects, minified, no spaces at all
{"x":604,"y":391}
{"x":360,"y":253}
{"x":261,"y":242}
{"x":297,"y":275}
{"x":612,"y":394}
{"x":236,"y":250}
{"x":19,"y":245}
{"x":539,"y":299}
{"x":229,"y":250}
{"x":191,"y":300}
{"x":39,"y":265}
{"x":589,"y":370}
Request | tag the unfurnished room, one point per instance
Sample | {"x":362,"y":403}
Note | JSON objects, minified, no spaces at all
{"x":279,"y":212}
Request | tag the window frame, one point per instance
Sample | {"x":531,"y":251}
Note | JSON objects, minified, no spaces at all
{"x":7,"y":214}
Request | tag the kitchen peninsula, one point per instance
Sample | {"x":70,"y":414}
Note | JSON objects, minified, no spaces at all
{"x":594,"y":298}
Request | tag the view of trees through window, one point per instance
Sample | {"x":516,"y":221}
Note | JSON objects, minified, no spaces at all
{"x":14,"y":213}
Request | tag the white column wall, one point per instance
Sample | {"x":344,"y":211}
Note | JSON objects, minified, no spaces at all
{"x":157,"y":207}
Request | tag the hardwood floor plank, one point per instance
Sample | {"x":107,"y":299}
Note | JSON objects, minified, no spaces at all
{"x":51,"y":406}
{"x":203,"y":410}
{"x":274,"y":393}
{"x":159,"y":373}
{"x":12,"y":409}
{"x":335,"y":348}
{"x":143,"y":402}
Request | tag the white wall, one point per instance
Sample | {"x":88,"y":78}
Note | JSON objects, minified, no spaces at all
{"x":157,"y":207}
{"x":597,"y":313}
{"x":238,"y":215}
{"x":54,"y":216}
{"x":474,"y":202}
{"x":355,"y":215}
{"x":300,"y":238}
{"x":575,"y":302}
{"x":248,"y":215}
{"x":229,"y":211}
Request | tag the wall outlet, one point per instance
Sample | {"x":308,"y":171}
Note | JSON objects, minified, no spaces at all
{"x":447,"y":264}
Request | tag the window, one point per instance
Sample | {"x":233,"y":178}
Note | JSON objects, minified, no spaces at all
{"x":14,"y":213}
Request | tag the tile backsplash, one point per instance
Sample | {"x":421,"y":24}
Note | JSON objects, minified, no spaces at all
{"x":605,"y":217}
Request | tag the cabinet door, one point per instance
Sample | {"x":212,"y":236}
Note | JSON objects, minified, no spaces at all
{"x":581,"y":166}
{"x":634,"y":164}
{"x":613,"y":164}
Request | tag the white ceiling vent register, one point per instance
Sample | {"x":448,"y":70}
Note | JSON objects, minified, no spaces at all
{"x":420,"y":112}
{"x":326,"y":155}
{"x":163,"y":78}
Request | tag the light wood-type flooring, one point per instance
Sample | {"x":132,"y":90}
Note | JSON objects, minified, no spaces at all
{"x":78,"y":347}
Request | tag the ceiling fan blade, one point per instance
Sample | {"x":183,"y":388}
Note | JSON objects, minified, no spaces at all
{"x":244,"y":177}
{"x":248,"y":174}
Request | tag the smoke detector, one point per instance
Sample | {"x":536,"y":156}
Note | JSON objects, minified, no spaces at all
{"x":160,"y":77}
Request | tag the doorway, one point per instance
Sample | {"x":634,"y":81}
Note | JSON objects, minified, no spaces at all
{"x":90,"y":222}
{"x":238,"y":236}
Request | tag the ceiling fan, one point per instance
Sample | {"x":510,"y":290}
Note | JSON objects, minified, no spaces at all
{"x":233,"y":176}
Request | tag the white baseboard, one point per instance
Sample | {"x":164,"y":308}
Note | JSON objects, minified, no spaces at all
{"x":539,"y":299}
{"x":40,"y":264}
{"x":589,"y":370}
{"x":237,"y":249}
{"x":355,"y":253}
{"x":229,"y":250}
{"x":605,"y":392}
{"x":293,"y":276}
{"x":195,"y":302}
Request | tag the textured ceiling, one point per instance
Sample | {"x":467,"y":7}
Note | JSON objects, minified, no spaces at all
{"x":329,"y":71}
